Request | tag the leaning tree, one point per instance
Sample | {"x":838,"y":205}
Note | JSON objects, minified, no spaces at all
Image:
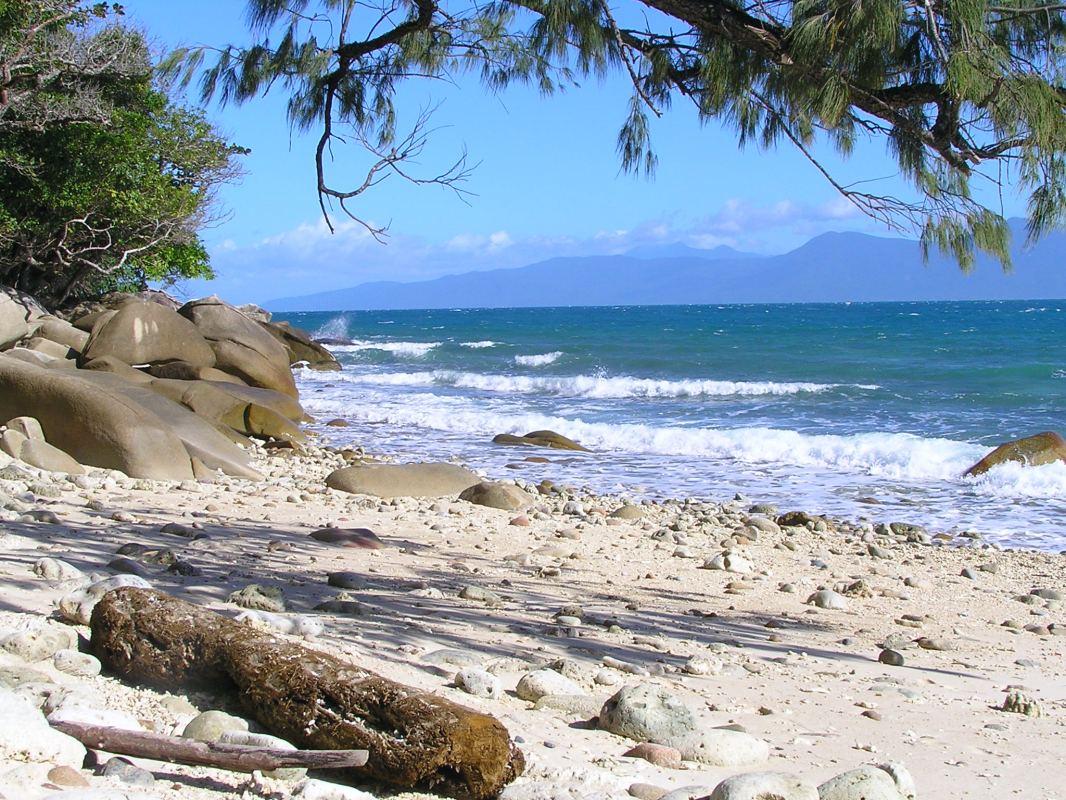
{"x":966,"y":95}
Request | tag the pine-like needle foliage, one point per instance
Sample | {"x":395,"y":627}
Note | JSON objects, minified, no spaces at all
{"x":967,"y":95}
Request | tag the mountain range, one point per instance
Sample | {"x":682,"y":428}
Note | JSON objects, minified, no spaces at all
{"x":832,"y":267}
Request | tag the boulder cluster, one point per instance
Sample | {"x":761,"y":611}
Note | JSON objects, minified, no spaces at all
{"x":147,"y":386}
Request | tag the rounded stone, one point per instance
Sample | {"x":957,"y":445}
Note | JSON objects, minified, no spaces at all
{"x":535,"y":685}
{"x":210,"y":726}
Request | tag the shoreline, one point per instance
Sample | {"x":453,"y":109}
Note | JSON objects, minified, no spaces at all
{"x":733,"y":645}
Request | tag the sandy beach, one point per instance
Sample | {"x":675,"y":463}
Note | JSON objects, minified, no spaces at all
{"x":602,"y":601}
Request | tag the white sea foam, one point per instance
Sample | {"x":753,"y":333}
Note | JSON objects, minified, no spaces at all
{"x":541,"y":360}
{"x":594,"y":386}
{"x":406,"y":349}
{"x":897,"y":458}
{"x":478,"y":345}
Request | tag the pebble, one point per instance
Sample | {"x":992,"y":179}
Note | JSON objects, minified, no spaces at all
{"x":478,"y":682}
{"x":67,"y":776}
{"x":360,"y":538}
{"x":657,"y":754}
{"x":76,"y":663}
{"x":891,"y":657}
{"x":211,"y":725}
{"x":827,"y":598}
{"x":56,"y":570}
{"x":259,"y":598}
{"x":128,"y":773}
{"x":536,"y":684}
{"x":481,"y":595}
{"x":40,"y":643}
{"x":346,"y":580}
{"x":266,"y":741}
{"x":646,"y":791}
{"x":764,"y":786}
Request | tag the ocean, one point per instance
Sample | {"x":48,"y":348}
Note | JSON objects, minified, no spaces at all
{"x":865,"y":410}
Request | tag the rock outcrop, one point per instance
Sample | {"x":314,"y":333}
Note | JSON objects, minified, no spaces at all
{"x":92,"y":425}
{"x":301,"y":347}
{"x":416,"y":740}
{"x":140,"y":332}
{"x":18,"y":314}
{"x":1033,"y":451}
{"x":241,"y":346}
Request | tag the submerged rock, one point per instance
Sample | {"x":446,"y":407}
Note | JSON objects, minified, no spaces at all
{"x":539,"y":439}
{"x":1034,"y":451}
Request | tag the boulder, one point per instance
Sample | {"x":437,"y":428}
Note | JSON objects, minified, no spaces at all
{"x":301,"y":347}
{"x":202,"y":439}
{"x":1033,"y":451}
{"x":38,"y":359}
{"x":241,"y":346}
{"x":39,"y":344}
{"x":403,"y":480}
{"x":18,"y":314}
{"x":142,"y":332}
{"x":27,"y":736}
{"x":870,"y":782}
{"x":497,"y":495}
{"x":93,"y":425}
{"x":184,"y":371}
{"x":62,"y":332}
{"x":115,"y":367}
{"x":764,"y":786}
{"x":44,"y":456}
{"x":540,"y":439}
{"x":215,"y":402}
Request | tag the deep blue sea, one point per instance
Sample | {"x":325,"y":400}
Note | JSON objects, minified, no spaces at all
{"x":859,"y":410}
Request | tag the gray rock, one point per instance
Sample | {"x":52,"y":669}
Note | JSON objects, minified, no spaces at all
{"x":478,"y":682}
{"x":40,"y":643}
{"x":127,"y":772}
{"x":74,"y":662}
{"x":56,"y":570}
{"x":497,"y":495}
{"x":25,"y":735}
{"x":870,"y":782}
{"x":403,"y":480}
{"x":827,"y":598}
{"x":764,"y":786}
{"x":211,"y":725}
{"x":536,"y":684}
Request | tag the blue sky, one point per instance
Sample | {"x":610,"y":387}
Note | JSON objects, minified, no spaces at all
{"x":547,"y":183}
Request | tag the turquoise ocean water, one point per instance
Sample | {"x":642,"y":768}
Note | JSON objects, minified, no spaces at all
{"x":861,"y":410}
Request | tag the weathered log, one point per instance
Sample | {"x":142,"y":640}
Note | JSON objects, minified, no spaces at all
{"x":415,"y":740}
{"x":235,"y":757}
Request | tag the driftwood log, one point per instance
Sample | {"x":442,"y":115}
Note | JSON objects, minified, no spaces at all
{"x":235,"y":757}
{"x":416,"y":740}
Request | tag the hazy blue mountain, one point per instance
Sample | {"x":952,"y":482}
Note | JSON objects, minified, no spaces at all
{"x":679,"y":250}
{"x":833,"y":267}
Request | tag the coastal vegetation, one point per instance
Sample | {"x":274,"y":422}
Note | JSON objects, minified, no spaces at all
{"x":105,"y":180}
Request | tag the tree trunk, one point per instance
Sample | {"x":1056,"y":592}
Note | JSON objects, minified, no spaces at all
{"x":416,"y":740}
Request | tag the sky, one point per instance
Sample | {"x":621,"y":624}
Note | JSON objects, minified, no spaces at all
{"x":547,"y":183}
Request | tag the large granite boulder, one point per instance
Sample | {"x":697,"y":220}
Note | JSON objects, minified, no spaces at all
{"x":116,"y":367}
{"x":301,"y":347}
{"x":62,"y":332}
{"x":93,"y":425}
{"x":184,"y":371}
{"x":18,"y":313}
{"x":200,"y":437}
{"x":141,"y":332}
{"x":403,"y":480}
{"x":549,"y":439}
{"x":241,"y":346}
{"x":1034,"y":451}
{"x":213,"y":402}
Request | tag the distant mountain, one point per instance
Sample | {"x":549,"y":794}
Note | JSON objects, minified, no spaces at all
{"x":833,"y":267}
{"x":679,"y":250}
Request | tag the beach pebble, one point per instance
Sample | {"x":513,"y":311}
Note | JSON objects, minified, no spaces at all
{"x":658,"y":754}
{"x":127,"y":772}
{"x":481,"y":595}
{"x":870,"y":782}
{"x":478,"y":682}
{"x":360,"y":538}
{"x":534,"y":685}
{"x":67,"y":776}
{"x":827,"y":598}
{"x":76,"y":663}
{"x":763,"y":786}
{"x":211,"y":725}
{"x":646,"y":791}
{"x":40,"y":643}
{"x":729,"y":562}
{"x":628,"y":512}
{"x":346,"y":580}
{"x":56,"y":570}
